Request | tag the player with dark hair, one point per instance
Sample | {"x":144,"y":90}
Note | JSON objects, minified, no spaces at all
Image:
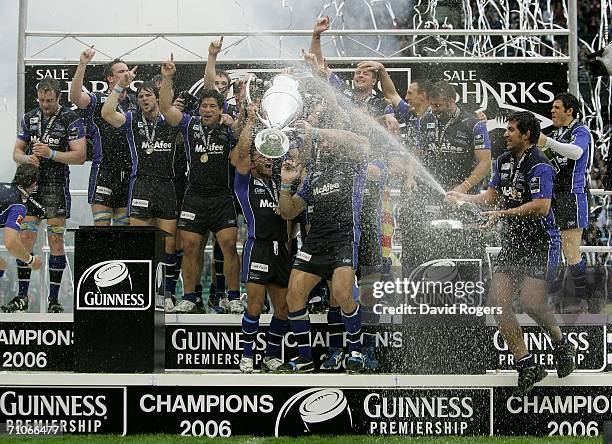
{"x":111,"y":164}
{"x":208,"y":204}
{"x":51,"y":136}
{"x":569,"y":149}
{"x":265,"y":263}
{"x":13,"y":198}
{"x":152,"y":197}
{"x":523,"y":180}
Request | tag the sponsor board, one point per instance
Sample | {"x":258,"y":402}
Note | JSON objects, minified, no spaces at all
{"x":36,"y":346}
{"x":552,"y":411}
{"x":219,"y":347}
{"x":116,"y":285}
{"x":282,"y":411}
{"x":63,"y":410}
{"x":590,"y":342}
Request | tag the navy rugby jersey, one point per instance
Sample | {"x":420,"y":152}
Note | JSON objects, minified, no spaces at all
{"x":519,"y":182}
{"x":155,"y":157}
{"x":410,"y":124}
{"x":572,"y":174}
{"x":258,"y":198}
{"x":66,"y":126}
{"x":207,"y":150}
{"x":12,"y":208}
{"x":110,"y":146}
{"x":447,"y":149}
{"x":333,"y":191}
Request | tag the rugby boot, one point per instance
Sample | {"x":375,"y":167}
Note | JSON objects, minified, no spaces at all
{"x":55,"y":307}
{"x":246,"y":365}
{"x":188,"y":307}
{"x":333,"y":360}
{"x":527,"y":377}
{"x":564,"y":358}
{"x":270,"y":364}
{"x":16,"y":305}
{"x":370,"y":362}
{"x":354,"y":362}
{"x":236,"y":307}
{"x":297,"y":365}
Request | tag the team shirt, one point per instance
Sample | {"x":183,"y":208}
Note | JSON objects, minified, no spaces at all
{"x":447,"y":149}
{"x":56,"y":131}
{"x":333,"y":191}
{"x":12,"y":208}
{"x":572,"y":174}
{"x":110,"y":146}
{"x":519,"y":182}
{"x":207,"y":150}
{"x":258,"y":197}
{"x":410,"y":124}
{"x":152,"y":145}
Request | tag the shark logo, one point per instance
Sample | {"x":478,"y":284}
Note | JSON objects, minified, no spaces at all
{"x":499,"y":111}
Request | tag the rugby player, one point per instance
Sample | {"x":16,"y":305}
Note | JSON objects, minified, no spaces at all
{"x":208,"y":204}
{"x":266,"y":263}
{"x":13,"y":198}
{"x":111,"y":164}
{"x":332,"y":193}
{"x":51,"y":136}
{"x":523,"y":180}
{"x":152,"y":197}
{"x":569,"y":150}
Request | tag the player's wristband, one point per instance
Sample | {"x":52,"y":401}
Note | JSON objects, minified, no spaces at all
{"x":118,"y":88}
{"x":285,"y":187}
{"x":53,"y":155}
{"x":469,"y":185}
{"x":29,"y":261}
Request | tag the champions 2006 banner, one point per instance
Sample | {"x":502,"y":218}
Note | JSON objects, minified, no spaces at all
{"x":496,"y":88}
{"x":277,"y":410}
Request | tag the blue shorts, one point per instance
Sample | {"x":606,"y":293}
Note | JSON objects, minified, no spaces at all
{"x":571,"y":210}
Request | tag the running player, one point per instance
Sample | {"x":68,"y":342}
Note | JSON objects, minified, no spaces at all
{"x":523,"y":180}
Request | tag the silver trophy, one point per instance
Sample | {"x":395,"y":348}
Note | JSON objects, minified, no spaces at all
{"x":281,"y":105}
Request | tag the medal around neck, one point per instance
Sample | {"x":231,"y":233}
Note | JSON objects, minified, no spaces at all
{"x":281,"y":105}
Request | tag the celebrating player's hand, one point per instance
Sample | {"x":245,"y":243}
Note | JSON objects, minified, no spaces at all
{"x":41,"y":150}
{"x":493,"y":216}
{"x":226,"y":119}
{"x":370,"y":66}
{"x":290,"y":171}
{"x":128,"y":77}
{"x":87,"y":55}
{"x":32,"y":159}
{"x":252,"y":109}
{"x":168,"y":68}
{"x":321,"y":25}
{"x":215,"y":47}
{"x":36,"y":263}
{"x":179,"y":103}
{"x":453,"y":196}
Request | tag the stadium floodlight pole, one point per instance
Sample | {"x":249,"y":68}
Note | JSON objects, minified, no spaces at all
{"x":21,"y":53}
{"x":572,"y":24}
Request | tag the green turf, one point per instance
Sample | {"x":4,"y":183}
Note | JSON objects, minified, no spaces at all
{"x":162,"y":439}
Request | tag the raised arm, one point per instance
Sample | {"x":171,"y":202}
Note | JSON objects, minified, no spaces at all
{"x":342,"y":142}
{"x":172,"y":114}
{"x":321,"y":25}
{"x":77,"y":96}
{"x":243,"y":158}
{"x":386,"y":83}
{"x":109,"y":110}
{"x":210,"y":71}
